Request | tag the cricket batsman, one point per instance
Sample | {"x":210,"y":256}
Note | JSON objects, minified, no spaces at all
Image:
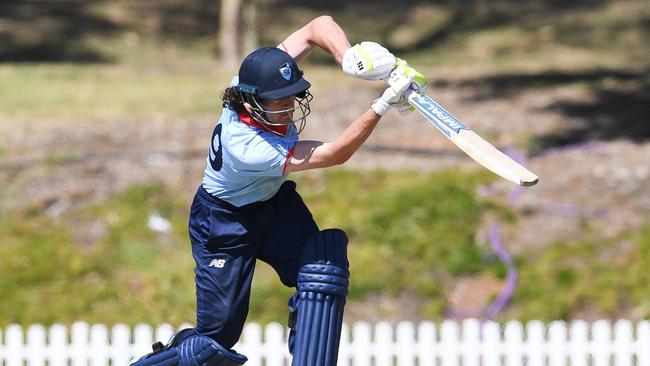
{"x":246,"y":209}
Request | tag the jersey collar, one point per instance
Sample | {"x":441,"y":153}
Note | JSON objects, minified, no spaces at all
{"x":245,"y":117}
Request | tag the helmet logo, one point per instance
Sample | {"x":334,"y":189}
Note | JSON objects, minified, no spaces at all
{"x":285,"y":71}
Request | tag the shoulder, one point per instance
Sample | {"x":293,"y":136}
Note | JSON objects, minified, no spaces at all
{"x":251,"y":141}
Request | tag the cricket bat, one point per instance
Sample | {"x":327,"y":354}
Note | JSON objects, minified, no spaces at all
{"x":472,"y":144}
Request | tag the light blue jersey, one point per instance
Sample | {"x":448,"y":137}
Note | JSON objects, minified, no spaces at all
{"x":246,"y":163}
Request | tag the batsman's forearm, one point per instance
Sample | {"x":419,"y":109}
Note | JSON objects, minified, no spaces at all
{"x":349,"y":141}
{"x":329,"y":36}
{"x":316,"y":154}
{"x":323,"y":32}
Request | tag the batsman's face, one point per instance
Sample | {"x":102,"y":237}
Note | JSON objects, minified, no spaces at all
{"x":280,"y":110}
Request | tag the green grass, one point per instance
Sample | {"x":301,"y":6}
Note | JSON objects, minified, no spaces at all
{"x":126,"y":274}
{"x":408,"y":231}
{"x":147,"y":81}
{"x":603,"y":276}
{"x":71,"y":92}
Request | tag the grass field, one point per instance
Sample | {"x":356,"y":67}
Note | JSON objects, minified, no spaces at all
{"x":410,"y":233}
{"x":133,"y":274}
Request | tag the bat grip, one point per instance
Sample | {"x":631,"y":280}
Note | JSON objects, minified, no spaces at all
{"x":410,"y":93}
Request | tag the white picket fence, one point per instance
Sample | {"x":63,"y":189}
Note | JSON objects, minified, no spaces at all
{"x":406,"y":344}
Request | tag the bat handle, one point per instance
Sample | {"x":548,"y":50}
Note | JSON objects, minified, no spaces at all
{"x":410,"y":93}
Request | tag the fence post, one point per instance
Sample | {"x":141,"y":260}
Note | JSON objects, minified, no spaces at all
{"x":361,"y":346}
{"x":536,"y":343}
{"x":405,"y":344}
{"x":251,"y":343}
{"x":642,"y":342}
{"x":14,"y":346}
{"x":557,"y":334}
{"x":383,"y":345}
{"x":275,"y":347}
{"x":79,"y":346}
{"x":164,"y":333}
{"x":449,"y":343}
{"x":602,"y":336}
{"x":623,"y":341}
{"x":471,"y":342}
{"x":427,"y":346}
{"x":57,"y":348}
{"x":514,"y":343}
{"x":579,"y":343}
{"x":142,"y":340}
{"x":491,"y":344}
{"x":121,"y":350}
{"x":344,"y":346}
{"x":98,"y":345}
{"x":35,"y":352}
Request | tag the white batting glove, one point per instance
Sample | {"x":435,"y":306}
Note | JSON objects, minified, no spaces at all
{"x":368,"y":61}
{"x":404,"y":70}
{"x":418,"y":83}
{"x":405,"y":107}
{"x":394,"y":96}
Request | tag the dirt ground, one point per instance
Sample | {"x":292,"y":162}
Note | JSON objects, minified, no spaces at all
{"x":605,"y":179}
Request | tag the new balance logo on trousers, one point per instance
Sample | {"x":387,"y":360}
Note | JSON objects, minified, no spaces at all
{"x":217,"y":263}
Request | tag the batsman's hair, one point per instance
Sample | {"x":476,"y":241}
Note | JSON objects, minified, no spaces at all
{"x":232,"y":99}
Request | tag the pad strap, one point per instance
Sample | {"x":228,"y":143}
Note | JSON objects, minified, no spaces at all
{"x":324,"y":278}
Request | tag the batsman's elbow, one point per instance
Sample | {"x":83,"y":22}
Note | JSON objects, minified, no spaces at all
{"x":340,"y":158}
{"x":331,"y":155}
{"x":324,"y":19}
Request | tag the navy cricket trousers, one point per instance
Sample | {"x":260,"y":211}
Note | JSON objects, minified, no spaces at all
{"x":227,"y":240}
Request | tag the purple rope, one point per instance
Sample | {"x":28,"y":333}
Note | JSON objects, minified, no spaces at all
{"x":511,"y":278}
{"x":496,"y":244}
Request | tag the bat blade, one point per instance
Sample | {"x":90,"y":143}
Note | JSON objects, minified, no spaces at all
{"x":472,"y":144}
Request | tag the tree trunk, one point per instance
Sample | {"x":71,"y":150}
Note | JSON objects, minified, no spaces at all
{"x":238,"y":30}
{"x":250,"y":27}
{"x":230,"y":24}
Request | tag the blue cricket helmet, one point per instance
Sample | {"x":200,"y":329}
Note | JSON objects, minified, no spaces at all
{"x":270,"y":73}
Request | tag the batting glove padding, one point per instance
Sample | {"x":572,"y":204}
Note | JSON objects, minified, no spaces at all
{"x":418,"y":83}
{"x":368,"y":61}
{"x":396,"y":95}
